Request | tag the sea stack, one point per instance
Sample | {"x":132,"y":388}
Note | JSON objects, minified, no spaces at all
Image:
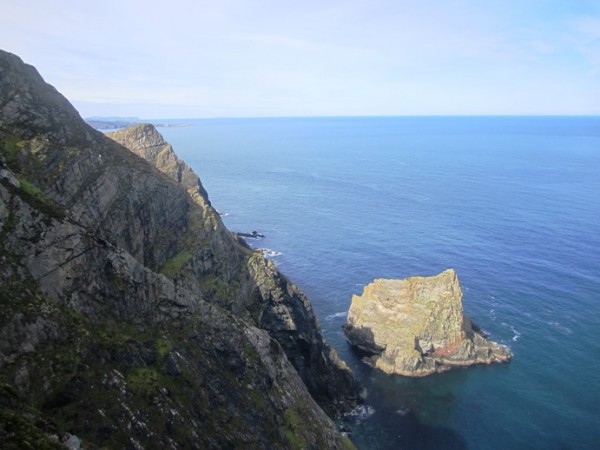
{"x":416,"y":327}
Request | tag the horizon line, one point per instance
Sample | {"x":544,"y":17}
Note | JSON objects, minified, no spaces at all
{"x":365,"y":116}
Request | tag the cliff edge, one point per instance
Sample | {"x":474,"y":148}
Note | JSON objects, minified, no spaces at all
{"x":131,"y":317}
{"x":228,"y":273}
{"x":416,"y":327}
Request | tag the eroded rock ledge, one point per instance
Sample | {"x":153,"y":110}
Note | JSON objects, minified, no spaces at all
{"x":416,"y":327}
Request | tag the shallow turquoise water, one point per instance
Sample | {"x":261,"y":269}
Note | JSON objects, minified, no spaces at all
{"x":511,"y":203}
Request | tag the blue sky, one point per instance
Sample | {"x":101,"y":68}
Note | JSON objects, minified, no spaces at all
{"x":239,"y":58}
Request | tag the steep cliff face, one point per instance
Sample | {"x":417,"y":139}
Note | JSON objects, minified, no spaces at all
{"x":249,"y":285}
{"x":130,"y":316}
{"x":416,"y":326}
{"x":145,"y":141}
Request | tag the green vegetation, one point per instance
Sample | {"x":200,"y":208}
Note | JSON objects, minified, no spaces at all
{"x":38,"y":200}
{"x":143,"y":380}
{"x":175,"y":264}
{"x":214,"y":286}
{"x":20,"y":153}
{"x":11,"y":146}
{"x":107,"y":358}
{"x":195,"y":222}
{"x":94,"y":355}
{"x":166,"y":149}
{"x":163,"y":348}
{"x":22,"y":427}
{"x":32,"y":195}
{"x":32,"y":190}
{"x":348,"y":444}
{"x":292,"y":426}
{"x":8,"y":226}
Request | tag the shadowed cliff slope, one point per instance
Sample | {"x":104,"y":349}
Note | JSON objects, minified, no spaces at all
{"x":131,"y":317}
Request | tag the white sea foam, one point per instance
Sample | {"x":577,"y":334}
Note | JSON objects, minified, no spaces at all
{"x":361,"y":412}
{"x":338,"y":314}
{"x":517,"y":334}
{"x":270,"y":253}
{"x":560,"y":327}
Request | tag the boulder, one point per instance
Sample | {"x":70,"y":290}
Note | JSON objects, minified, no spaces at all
{"x":416,"y":327}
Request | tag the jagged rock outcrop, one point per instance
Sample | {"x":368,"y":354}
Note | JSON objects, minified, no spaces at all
{"x":416,"y":327}
{"x":144,"y":140}
{"x":131,"y":317}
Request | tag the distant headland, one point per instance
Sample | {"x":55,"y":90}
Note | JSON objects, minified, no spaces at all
{"x":115,"y":123}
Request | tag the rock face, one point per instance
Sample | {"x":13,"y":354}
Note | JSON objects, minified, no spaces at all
{"x":130,"y":317}
{"x":229,"y":274}
{"x":145,"y":141}
{"x":416,"y":327}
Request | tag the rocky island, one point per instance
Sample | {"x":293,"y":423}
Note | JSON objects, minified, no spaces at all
{"x":130,"y":316}
{"x":416,"y":327}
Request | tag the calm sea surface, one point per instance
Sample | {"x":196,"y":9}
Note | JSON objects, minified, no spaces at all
{"x":512,"y":203}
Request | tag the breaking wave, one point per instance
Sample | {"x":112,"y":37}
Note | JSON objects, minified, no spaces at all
{"x":361,"y":412}
{"x":338,"y":314}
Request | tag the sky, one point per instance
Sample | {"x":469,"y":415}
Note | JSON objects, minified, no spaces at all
{"x":254,"y":58}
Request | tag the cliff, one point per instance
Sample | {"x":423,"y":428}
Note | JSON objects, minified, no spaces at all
{"x":145,"y":141}
{"x":244,"y":282}
{"x":416,"y":327}
{"x":131,"y":317}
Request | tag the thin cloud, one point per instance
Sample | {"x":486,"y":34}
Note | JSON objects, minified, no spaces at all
{"x":586,"y":39}
{"x":253,"y":57}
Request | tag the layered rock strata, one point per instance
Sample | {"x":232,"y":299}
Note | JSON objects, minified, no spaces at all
{"x":416,"y":327}
{"x":130,"y":316}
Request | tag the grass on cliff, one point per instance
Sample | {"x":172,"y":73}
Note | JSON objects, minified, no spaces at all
{"x":144,"y":381}
{"x":96,"y":351}
{"x":175,"y":264}
{"x":38,"y":200}
{"x":292,"y":424}
{"x":22,"y":426}
{"x":11,"y":146}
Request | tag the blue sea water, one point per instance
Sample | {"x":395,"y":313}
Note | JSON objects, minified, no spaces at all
{"x":512,"y":203}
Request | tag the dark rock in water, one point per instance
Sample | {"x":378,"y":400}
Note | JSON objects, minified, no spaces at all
{"x":130,"y":316}
{"x":253,"y":235}
{"x":416,"y":327}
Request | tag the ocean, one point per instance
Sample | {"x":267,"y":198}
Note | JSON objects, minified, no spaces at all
{"x":511,"y":203}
